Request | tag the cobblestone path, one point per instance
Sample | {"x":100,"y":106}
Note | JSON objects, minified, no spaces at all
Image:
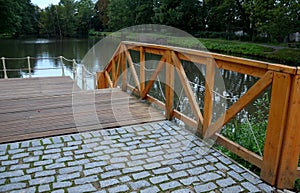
{"x":154,"y":157}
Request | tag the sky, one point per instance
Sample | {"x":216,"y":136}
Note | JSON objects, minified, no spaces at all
{"x":44,"y":3}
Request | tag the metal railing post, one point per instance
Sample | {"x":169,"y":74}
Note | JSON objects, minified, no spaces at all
{"x":62,"y":66}
{"x":4,"y":68}
{"x":29,"y":68}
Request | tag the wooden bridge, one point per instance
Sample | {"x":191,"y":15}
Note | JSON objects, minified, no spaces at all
{"x":50,"y":108}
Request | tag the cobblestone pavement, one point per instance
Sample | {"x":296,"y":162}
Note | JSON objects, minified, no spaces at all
{"x":154,"y":157}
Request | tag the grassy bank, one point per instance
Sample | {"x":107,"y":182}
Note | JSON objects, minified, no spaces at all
{"x":284,"y":55}
{"x":271,"y":53}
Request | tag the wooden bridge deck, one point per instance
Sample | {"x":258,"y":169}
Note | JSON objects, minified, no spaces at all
{"x":42,"y":107}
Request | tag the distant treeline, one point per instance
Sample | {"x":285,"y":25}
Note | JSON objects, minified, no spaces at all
{"x":252,"y":20}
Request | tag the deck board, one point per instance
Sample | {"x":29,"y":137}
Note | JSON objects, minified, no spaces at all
{"x":43,"y":107}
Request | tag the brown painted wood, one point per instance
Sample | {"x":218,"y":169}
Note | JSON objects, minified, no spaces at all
{"x":287,"y":172}
{"x":101,"y":81}
{"x":153,"y":77}
{"x":276,"y":125}
{"x":248,"y":97}
{"x":132,"y":69}
{"x":239,"y":150}
{"x":169,"y":92}
{"x":188,"y":91}
{"x":208,"y":98}
{"x":51,"y":112}
{"x":142,"y":70}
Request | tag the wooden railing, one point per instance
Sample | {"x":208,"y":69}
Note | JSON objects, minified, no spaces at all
{"x":282,"y":145}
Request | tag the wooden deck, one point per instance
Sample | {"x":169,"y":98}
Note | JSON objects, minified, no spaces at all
{"x":42,"y":107}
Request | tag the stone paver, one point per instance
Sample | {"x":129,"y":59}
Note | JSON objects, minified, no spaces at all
{"x":154,"y":157}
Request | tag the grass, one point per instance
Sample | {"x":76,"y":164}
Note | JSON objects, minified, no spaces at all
{"x":270,"y":52}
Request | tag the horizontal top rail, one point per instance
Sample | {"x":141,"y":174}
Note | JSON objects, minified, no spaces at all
{"x":278,"y":165}
{"x":189,"y":54}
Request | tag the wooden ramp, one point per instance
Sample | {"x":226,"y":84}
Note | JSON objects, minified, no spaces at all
{"x":42,"y":107}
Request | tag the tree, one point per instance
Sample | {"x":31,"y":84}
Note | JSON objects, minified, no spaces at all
{"x":18,"y":17}
{"x":185,"y":15}
{"x":85,"y":12}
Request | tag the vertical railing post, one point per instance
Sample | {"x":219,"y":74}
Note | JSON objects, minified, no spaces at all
{"x":29,"y":68}
{"x":291,"y":143}
{"x":142,"y":70}
{"x":83,"y":77}
{"x":113,"y":71}
{"x":208,"y":99}
{"x":62,"y":66}
{"x":169,"y":87}
{"x":101,"y":80}
{"x":4,"y":68}
{"x":95,"y":81}
{"x":276,"y":125}
{"x":124,"y":69}
{"x":74,"y":69}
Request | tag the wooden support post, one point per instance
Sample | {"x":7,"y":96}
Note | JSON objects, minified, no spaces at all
{"x":287,"y":172}
{"x":188,"y":91}
{"x":124,"y":72}
{"x":208,"y":99}
{"x":101,"y":80}
{"x":276,"y":125}
{"x":132,"y":69}
{"x":169,"y":87}
{"x":113,"y":72}
{"x":62,"y":66}
{"x":29,"y":68}
{"x":153,"y":77}
{"x":142,"y":70}
{"x":4,"y":68}
{"x":248,"y":97}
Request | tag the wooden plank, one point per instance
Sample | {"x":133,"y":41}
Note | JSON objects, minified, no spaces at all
{"x":101,"y":81}
{"x":243,"y":69}
{"x":169,"y":87}
{"x":188,"y":91}
{"x":155,"y":101}
{"x":117,"y":52}
{"x":247,"y":98}
{"x":276,"y":125}
{"x":119,"y":66}
{"x":113,"y":72}
{"x":51,"y":112}
{"x":187,"y":120}
{"x":142,"y":70}
{"x":208,"y":98}
{"x":291,"y":145}
{"x":153,"y":77}
{"x":110,"y":83}
{"x":132,"y":69}
{"x":124,"y":70}
{"x":239,"y":150}
{"x":157,"y":49}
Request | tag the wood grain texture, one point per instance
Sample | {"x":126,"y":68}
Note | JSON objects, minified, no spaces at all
{"x":42,"y":107}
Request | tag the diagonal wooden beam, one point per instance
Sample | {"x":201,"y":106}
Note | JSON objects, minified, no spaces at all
{"x":153,"y":77}
{"x":108,"y":79}
{"x":188,"y":90}
{"x":132,"y":69}
{"x":247,"y":98}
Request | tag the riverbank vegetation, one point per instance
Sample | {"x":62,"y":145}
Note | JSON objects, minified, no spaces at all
{"x":249,"y":20}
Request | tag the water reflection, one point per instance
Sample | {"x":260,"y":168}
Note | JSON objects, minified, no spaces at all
{"x":41,"y":48}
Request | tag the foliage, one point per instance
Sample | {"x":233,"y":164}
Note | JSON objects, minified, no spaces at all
{"x":240,"y":131}
{"x":18,"y":17}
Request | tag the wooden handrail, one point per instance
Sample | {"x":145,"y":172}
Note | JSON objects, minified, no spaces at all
{"x":282,"y":146}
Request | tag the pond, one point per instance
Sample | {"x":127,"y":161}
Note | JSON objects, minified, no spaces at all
{"x":235,"y":84}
